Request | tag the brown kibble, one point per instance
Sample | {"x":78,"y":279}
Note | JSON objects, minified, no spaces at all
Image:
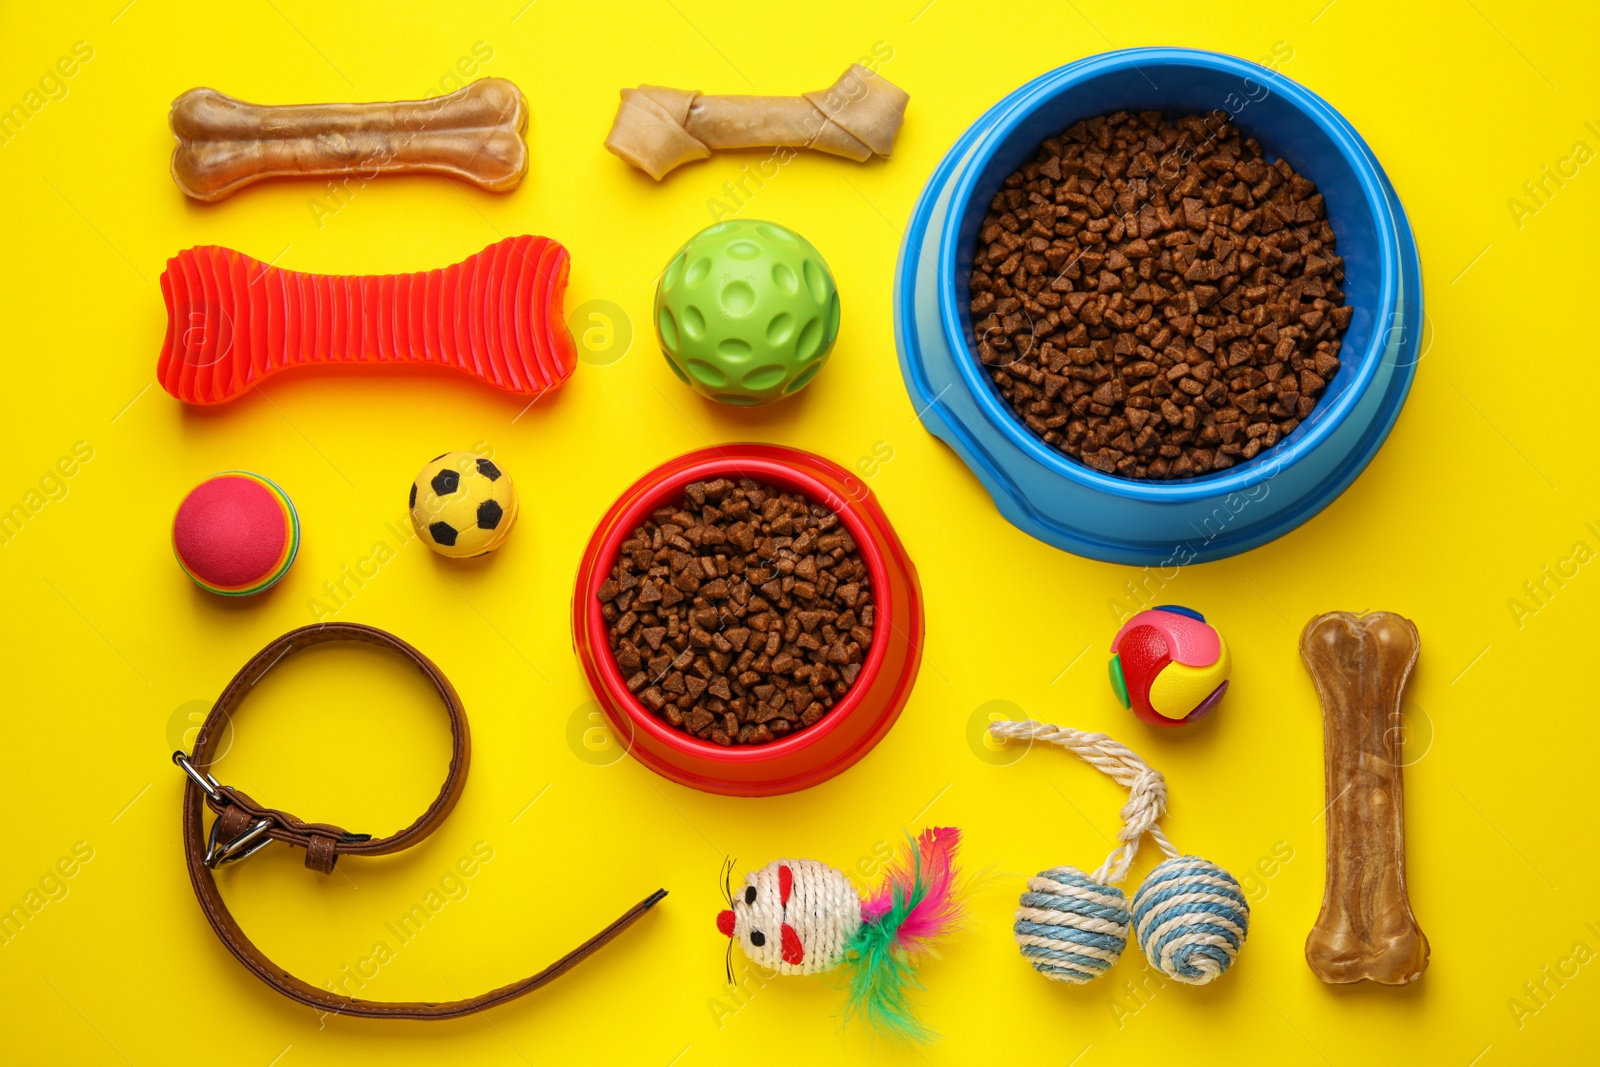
{"x":1143,"y":283}
{"x":751,"y":604}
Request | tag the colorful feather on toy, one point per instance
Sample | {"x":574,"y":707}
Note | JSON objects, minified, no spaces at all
{"x":804,"y":917}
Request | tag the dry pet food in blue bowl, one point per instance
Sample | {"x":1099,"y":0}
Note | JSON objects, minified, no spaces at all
{"x":1164,"y":303}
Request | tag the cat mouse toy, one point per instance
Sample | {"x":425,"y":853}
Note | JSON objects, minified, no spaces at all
{"x":804,"y":917}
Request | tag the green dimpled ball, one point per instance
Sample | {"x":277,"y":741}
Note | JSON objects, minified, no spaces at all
{"x":747,"y":312}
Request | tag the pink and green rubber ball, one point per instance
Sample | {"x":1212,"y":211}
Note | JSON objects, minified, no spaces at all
{"x":1169,"y":666}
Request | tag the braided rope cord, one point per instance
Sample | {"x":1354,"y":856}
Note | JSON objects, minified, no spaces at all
{"x":1147,"y":789}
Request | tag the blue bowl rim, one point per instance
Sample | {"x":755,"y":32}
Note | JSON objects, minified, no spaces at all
{"x":1000,"y":120}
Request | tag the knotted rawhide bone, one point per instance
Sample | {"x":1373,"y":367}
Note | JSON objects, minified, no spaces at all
{"x":1360,"y":664}
{"x":857,"y":117}
{"x":233,"y":321}
{"x":477,"y":134}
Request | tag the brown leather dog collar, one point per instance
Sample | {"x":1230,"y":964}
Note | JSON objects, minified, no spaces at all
{"x":243,"y":826}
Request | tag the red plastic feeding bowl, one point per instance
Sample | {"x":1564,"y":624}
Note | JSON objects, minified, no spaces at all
{"x":856,"y":722}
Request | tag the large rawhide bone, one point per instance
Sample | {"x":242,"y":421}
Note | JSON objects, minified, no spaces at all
{"x":476,"y":134}
{"x":656,"y":128}
{"x":1360,"y":664}
{"x":233,"y":320}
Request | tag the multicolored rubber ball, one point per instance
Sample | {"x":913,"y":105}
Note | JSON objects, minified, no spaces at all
{"x":236,"y":534}
{"x":1169,"y":666}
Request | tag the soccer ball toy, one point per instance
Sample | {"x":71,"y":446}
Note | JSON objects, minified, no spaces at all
{"x":747,"y":312}
{"x":1169,"y":666}
{"x":463,"y":505}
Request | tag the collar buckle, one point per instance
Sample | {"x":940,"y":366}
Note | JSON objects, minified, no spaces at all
{"x":246,"y":843}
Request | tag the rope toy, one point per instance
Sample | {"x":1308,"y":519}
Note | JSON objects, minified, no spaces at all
{"x":1189,"y":915}
{"x":805,"y":917}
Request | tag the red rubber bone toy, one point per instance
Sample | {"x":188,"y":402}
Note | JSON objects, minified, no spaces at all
{"x":233,"y":321}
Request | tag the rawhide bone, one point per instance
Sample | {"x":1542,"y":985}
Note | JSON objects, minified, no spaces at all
{"x":657,"y":129}
{"x":233,"y":321}
{"x":477,"y":134}
{"x":1360,"y":664}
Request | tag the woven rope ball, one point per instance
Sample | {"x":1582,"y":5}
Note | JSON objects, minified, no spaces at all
{"x":1191,"y":917}
{"x":1070,"y":927}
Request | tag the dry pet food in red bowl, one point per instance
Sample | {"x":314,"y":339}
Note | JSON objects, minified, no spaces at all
{"x":748,"y":620}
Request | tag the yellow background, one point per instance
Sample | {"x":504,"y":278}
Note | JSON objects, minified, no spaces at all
{"x":1487,"y":480}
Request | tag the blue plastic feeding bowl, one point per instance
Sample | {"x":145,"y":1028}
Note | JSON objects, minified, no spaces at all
{"x":1162,"y":523}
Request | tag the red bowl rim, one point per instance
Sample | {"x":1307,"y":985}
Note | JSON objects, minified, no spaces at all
{"x":654,"y":490}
